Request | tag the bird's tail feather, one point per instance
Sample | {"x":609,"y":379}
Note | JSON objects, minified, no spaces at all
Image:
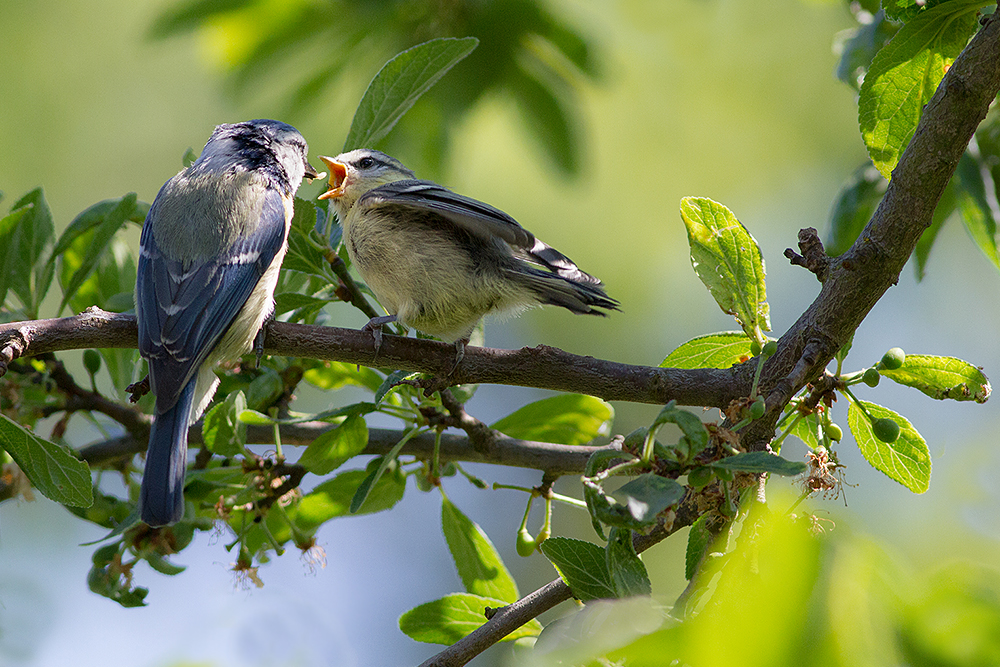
{"x":161,"y":498}
{"x":583,"y":297}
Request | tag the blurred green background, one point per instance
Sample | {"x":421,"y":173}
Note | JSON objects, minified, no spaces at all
{"x":731,"y":100}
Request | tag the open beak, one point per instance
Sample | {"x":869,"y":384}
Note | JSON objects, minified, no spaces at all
{"x":338,"y":175}
{"x":311,"y":172}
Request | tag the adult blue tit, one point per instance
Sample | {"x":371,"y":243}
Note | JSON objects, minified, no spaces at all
{"x":211,"y":248}
{"x":437,"y":261}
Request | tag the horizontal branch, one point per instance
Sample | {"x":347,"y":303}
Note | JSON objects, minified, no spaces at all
{"x":542,"y":367}
{"x":498,"y":449}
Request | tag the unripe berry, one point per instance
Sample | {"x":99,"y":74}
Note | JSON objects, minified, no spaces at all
{"x":893,"y":359}
{"x":871,"y":377}
{"x":525,"y":543}
{"x":885,"y":430}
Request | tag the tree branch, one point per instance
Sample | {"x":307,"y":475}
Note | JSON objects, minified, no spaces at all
{"x":542,"y":367}
{"x":496,"y":448}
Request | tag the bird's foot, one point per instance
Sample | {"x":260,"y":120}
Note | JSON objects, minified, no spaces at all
{"x":137,"y":390}
{"x":375,"y":326}
{"x":258,"y":341}
{"x":459,"y":354}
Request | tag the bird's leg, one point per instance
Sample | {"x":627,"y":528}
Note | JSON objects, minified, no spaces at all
{"x":459,"y":353}
{"x":258,"y":341}
{"x":375,"y":326}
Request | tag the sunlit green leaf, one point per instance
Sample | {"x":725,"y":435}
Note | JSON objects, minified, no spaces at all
{"x":223,"y":429}
{"x":400,"y":83}
{"x":728,"y":260}
{"x":904,"y":75}
{"x":970,"y":195}
{"x":454,"y":616}
{"x":334,"y":375}
{"x":942,"y":377}
{"x":333,"y":448}
{"x":718,"y":350}
{"x":567,"y":419}
{"x":479,"y":565}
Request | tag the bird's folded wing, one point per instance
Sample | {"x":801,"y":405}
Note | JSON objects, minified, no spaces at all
{"x":186,"y":310}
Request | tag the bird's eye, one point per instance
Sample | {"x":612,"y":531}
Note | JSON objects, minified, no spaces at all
{"x":366,"y":163}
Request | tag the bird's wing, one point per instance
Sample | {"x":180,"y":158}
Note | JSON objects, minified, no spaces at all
{"x":184,"y":311}
{"x":474,"y":216}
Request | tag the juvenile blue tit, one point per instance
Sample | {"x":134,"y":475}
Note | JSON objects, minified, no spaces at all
{"x":437,"y":261}
{"x":209,"y":256}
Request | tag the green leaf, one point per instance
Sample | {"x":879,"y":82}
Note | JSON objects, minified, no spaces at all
{"x":639,"y":502}
{"x":627,"y":571}
{"x":393,"y":380}
{"x":807,"y":430}
{"x":292,"y":301}
{"x":335,"y":374}
{"x":449,"y":619}
{"x":52,"y":469}
{"x":857,"y":48}
{"x":907,"y":460}
{"x":333,"y":448}
{"x":582,"y":565}
{"x":700,"y":540}
{"x":728,"y":261}
{"x":855,"y":205}
{"x":103,"y":220}
{"x":400,"y":83}
{"x":9,"y":227}
{"x":946,"y":206}
{"x":758,"y":462}
{"x":304,"y":254}
{"x":942,"y":377}
{"x":718,"y":350}
{"x":695,"y":433}
{"x":567,"y":419}
{"x":28,"y":249}
{"x":904,"y":75}
{"x":545,"y":115}
{"x":970,"y":194}
{"x":332,"y":498}
{"x":383,"y":463}
{"x":256,"y":418}
{"x":264,"y":390}
{"x":223,"y":428}
{"x":479,"y":565}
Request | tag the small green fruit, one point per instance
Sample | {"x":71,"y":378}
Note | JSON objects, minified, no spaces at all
{"x":769,"y":348}
{"x":871,"y":377}
{"x":893,"y":359}
{"x":754,"y":348}
{"x":700,"y":477}
{"x":92,"y":361}
{"x":757,"y":408}
{"x":525,"y":543}
{"x":885,"y":429}
{"x":725,"y":474}
{"x":423,"y":483}
{"x":834,"y":432}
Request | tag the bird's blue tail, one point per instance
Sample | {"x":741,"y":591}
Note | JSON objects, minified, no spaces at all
{"x":161,"y":498}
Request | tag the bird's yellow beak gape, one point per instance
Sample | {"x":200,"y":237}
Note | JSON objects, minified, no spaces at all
{"x":338,"y":174}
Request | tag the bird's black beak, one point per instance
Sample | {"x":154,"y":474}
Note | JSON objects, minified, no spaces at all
{"x":311,"y":172}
